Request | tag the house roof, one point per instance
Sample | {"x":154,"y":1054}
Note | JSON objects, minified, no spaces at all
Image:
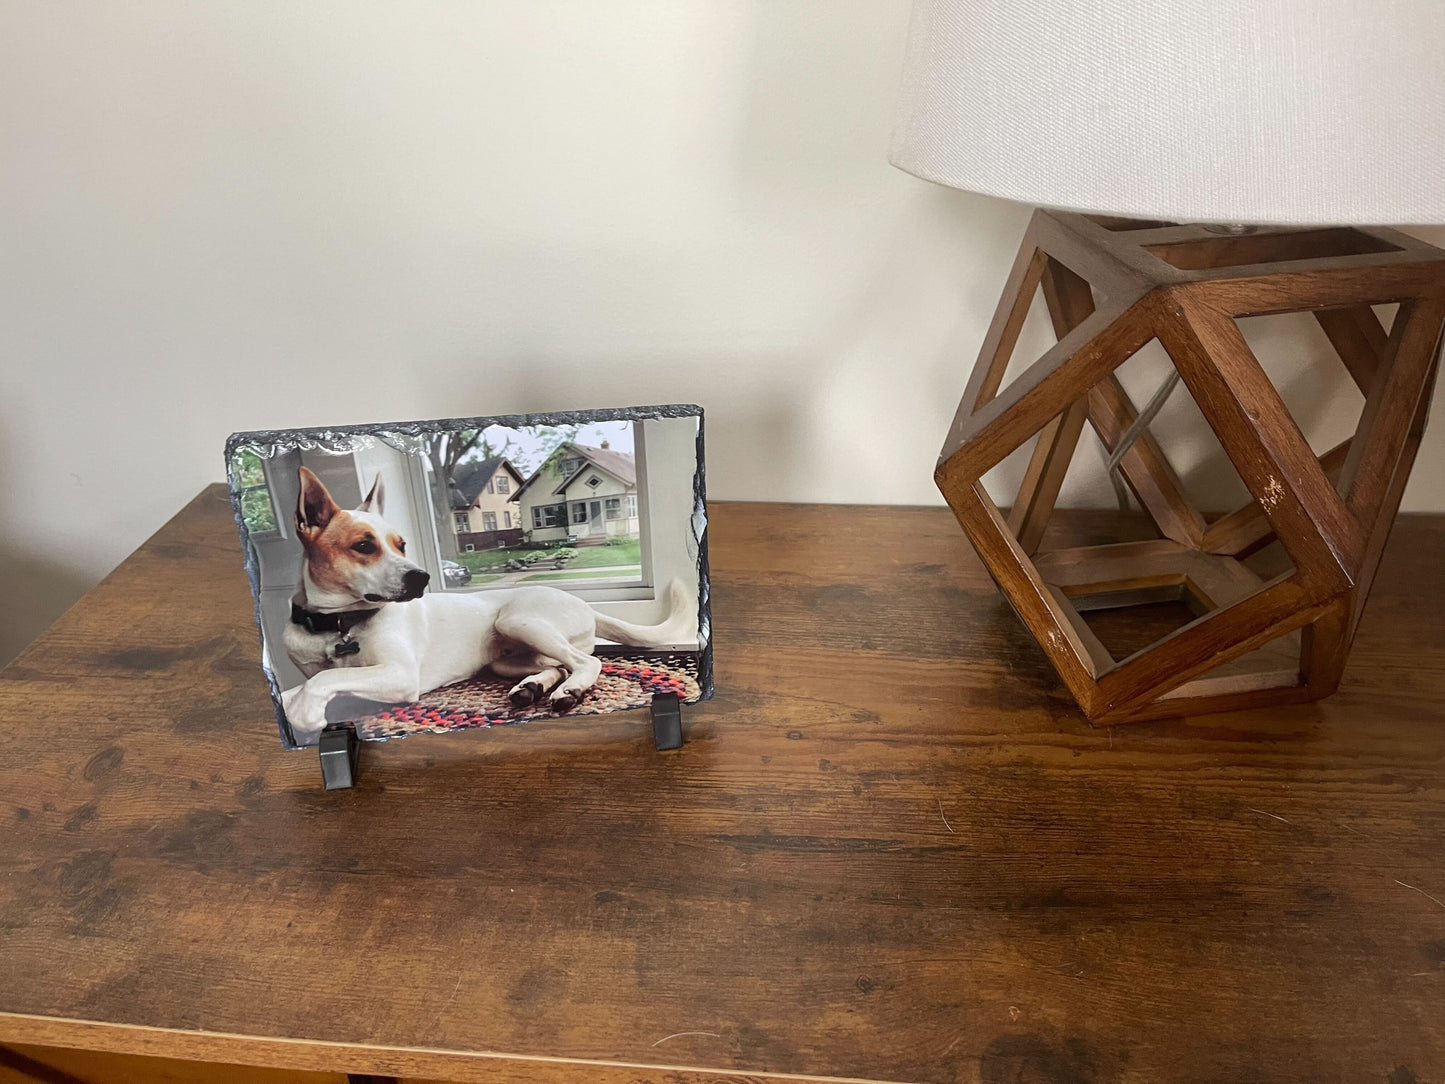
{"x":621,"y":465}
{"x":469,"y":479}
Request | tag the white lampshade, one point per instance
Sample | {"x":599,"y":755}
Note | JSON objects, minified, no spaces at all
{"x":1251,"y":111}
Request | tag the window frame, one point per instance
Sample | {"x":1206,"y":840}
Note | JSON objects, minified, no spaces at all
{"x":421,"y":480}
{"x":539,"y":511}
{"x":267,"y":484}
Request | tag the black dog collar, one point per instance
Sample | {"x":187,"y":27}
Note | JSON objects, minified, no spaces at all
{"x":342,"y":622}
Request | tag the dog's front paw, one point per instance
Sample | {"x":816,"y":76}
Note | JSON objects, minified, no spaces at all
{"x":564,"y":700}
{"x":305,"y":713}
{"x":526,"y":694}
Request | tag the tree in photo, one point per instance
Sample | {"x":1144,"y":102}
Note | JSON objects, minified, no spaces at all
{"x":554,"y":440}
{"x":446,"y":452}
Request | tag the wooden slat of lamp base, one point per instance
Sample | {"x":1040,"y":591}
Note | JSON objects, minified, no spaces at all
{"x":1247,"y":529}
{"x":1128,"y":574}
{"x":1256,"y":642}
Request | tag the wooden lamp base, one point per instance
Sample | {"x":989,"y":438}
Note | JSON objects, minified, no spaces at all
{"x":1271,"y":592}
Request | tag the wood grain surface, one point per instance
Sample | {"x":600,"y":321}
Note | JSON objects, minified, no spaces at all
{"x":892,"y":848}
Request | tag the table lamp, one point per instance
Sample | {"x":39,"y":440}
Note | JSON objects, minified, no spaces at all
{"x":1202,"y":161}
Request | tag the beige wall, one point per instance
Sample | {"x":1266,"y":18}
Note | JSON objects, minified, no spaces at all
{"x":260,"y":213}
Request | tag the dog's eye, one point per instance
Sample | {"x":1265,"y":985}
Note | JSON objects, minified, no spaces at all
{"x":366,"y":545}
{"x":401,"y":545}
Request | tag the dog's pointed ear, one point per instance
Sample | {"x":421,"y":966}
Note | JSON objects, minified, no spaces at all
{"x":314,"y":506}
{"x":376,"y":498}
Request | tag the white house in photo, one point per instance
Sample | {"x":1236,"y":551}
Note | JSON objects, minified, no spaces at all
{"x":584,"y":493}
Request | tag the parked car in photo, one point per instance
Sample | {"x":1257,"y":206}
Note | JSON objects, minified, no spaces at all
{"x":456,"y":575}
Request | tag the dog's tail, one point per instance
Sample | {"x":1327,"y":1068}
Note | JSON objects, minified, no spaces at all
{"x":680,"y":625}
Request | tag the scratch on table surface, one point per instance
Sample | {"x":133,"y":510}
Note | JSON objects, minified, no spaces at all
{"x":680,"y":1034}
{"x":452,"y":997}
{"x":1276,"y":816}
{"x":945,"y":817}
{"x":1422,"y":892}
{"x":949,"y":1048}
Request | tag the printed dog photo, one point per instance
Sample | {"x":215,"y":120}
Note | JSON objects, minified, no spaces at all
{"x":433,"y":576}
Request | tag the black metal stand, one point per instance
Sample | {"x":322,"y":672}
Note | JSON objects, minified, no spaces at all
{"x":340,"y":753}
{"x":667,"y":721}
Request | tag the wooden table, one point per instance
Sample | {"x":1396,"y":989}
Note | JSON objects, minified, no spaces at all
{"x":891,"y":850}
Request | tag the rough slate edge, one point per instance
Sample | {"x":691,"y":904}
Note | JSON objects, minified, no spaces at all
{"x":341,"y":433}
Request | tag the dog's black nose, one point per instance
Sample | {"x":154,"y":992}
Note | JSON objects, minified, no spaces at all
{"x":415,"y":581}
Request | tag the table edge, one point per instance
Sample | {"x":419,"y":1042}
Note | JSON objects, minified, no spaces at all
{"x":324,"y":1055}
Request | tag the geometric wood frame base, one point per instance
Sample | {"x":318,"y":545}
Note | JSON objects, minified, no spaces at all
{"x":1111,"y":287}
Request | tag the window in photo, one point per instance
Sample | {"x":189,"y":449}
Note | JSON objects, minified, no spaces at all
{"x":542,"y":504}
{"x":258,"y":511}
{"x":548,"y":515}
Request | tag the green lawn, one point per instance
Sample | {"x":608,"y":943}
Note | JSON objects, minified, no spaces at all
{"x":484,"y":560}
{"x":628,"y":552}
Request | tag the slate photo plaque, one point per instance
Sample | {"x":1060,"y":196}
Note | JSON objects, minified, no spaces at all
{"x":424,"y":577}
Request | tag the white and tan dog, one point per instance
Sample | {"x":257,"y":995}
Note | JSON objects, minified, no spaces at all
{"x":362,"y":626}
